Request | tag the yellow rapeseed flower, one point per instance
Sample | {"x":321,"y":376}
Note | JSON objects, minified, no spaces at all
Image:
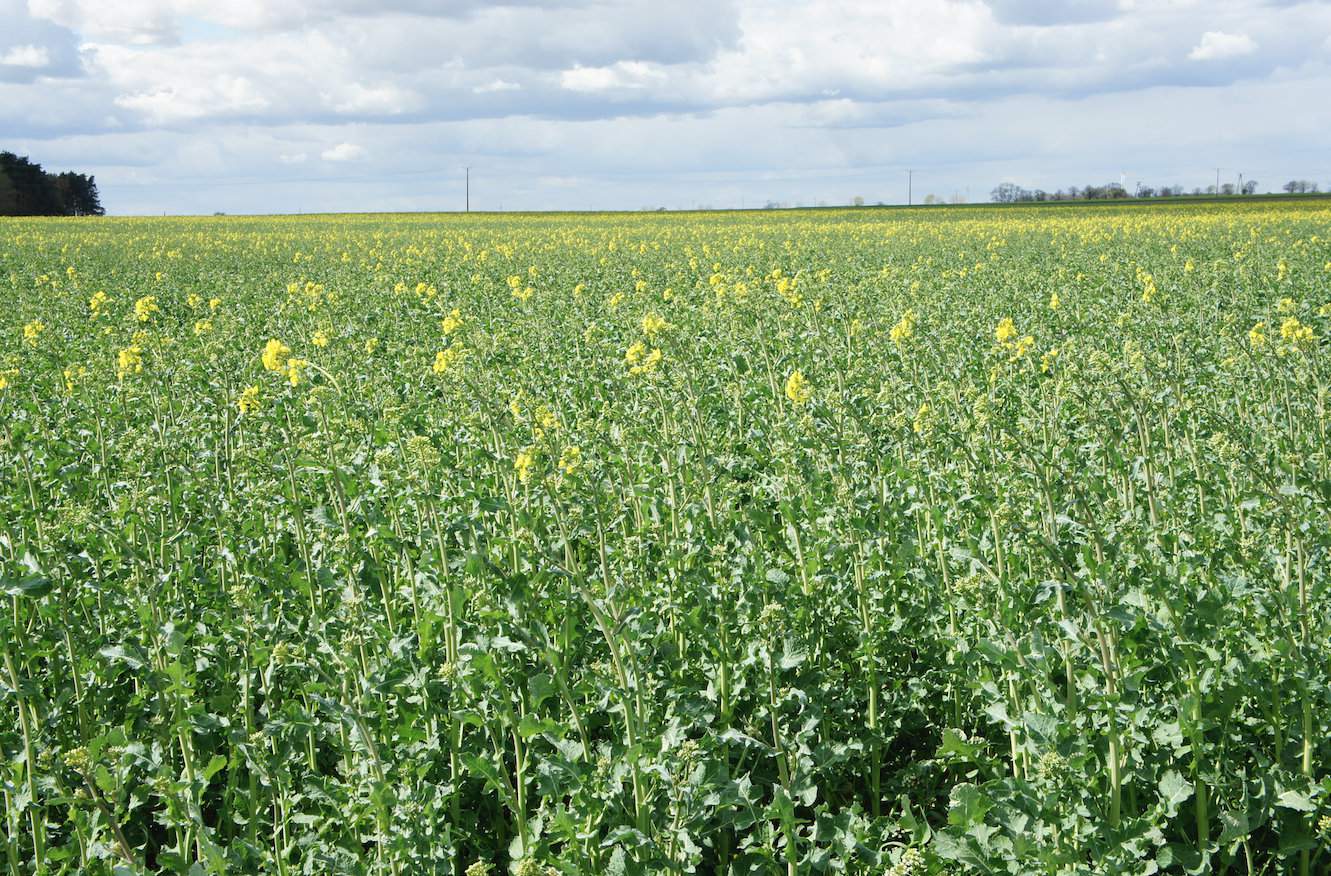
{"x":452,"y":322}
{"x":1005,"y":331}
{"x":1022,"y":347}
{"x":786,"y":287}
{"x":145,"y":307}
{"x":446,"y":359}
{"x":248,"y":402}
{"x":98,"y":303}
{"x":129,"y":361}
{"x":922,"y":422}
{"x":570,"y":460}
{"x":523,"y":463}
{"x":275,"y":355}
{"x":1148,"y":287}
{"x":653,"y":323}
{"x":320,"y":338}
{"x":73,"y":374}
{"x":32,"y":331}
{"x":904,"y":329}
{"x":1054,"y":301}
{"x":1257,"y":336}
{"x":797,"y":388}
{"x":1295,"y":333}
{"x":519,"y":291}
{"x":648,"y":363}
{"x":295,"y":369}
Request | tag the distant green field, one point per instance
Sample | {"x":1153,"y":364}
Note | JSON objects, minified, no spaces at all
{"x":983,"y":540}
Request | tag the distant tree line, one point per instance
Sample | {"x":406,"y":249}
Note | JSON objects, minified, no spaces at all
{"x":27,"y":190}
{"x":1011,"y":193}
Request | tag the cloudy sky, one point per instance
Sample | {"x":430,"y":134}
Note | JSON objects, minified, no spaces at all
{"x":196,"y":106}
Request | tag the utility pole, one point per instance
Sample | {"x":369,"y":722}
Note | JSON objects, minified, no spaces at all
{"x":468,"y":203}
{"x":1217,"y":182}
{"x":1239,"y":190}
{"x":910,"y":187}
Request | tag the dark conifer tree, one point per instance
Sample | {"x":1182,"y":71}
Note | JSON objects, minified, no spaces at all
{"x":27,"y":190}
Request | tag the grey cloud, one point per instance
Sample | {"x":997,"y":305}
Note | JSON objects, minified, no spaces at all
{"x":1052,"y":12}
{"x":1126,"y":54}
{"x":631,"y":104}
{"x":290,"y":15}
{"x":541,"y":38}
{"x":375,"y":70}
{"x":58,"y":107}
{"x":34,"y":48}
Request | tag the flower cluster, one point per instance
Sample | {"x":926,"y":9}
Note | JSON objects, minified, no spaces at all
{"x":277,"y":357}
{"x":448,"y":359}
{"x":145,"y":307}
{"x":904,"y":330}
{"x":798,"y":389}
{"x":640,"y":360}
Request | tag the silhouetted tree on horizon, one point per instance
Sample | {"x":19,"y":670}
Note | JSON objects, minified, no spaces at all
{"x":27,"y":190}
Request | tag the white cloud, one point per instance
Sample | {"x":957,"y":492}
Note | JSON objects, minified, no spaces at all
{"x":138,"y":22}
{"x":292,"y":157}
{"x":380,"y":100}
{"x":1217,"y":45}
{"x":496,"y":85}
{"x":189,"y":100}
{"x":343,"y":152}
{"x":622,"y":74}
{"x":34,"y":57}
